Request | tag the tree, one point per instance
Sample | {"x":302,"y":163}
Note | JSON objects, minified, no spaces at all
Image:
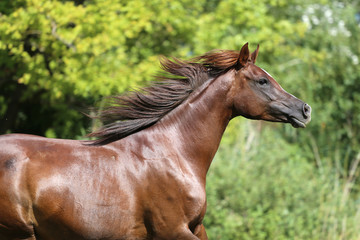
{"x":58,"y":57}
{"x":328,"y":72}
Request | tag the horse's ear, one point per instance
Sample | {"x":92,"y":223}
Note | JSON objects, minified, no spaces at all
{"x":243,"y":56}
{"x":254,"y":55}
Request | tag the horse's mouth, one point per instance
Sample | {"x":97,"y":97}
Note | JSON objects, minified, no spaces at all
{"x":296,"y":123}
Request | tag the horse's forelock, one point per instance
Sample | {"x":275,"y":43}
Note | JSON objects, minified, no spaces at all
{"x":218,"y":61}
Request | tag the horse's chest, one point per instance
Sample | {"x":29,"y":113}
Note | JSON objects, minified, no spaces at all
{"x":173,"y":199}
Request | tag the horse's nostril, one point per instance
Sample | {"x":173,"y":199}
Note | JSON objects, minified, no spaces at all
{"x":306,"y":110}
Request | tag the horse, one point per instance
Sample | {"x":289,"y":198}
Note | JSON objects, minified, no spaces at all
{"x":143,"y":174}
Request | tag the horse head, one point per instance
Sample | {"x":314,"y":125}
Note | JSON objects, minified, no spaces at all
{"x":257,"y":95}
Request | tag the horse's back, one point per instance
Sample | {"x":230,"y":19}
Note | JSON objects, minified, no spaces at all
{"x":26,"y":161}
{"x":63,"y":189}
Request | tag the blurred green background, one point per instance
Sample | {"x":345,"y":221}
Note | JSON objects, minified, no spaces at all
{"x":268,"y":181}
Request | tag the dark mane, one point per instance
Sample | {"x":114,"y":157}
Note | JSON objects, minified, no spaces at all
{"x":137,"y":110}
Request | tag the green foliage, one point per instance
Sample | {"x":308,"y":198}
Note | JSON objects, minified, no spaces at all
{"x":270,"y":191}
{"x":57,"y":54}
{"x":327,"y":76}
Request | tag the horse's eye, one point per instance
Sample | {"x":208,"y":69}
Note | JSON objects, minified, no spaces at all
{"x":263,"y":81}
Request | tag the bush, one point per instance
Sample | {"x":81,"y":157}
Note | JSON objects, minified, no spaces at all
{"x":260,"y":187}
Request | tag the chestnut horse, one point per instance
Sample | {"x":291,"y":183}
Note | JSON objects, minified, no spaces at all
{"x":144,"y":175}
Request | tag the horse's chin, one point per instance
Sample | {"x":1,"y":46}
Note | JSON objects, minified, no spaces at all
{"x":296,"y":123}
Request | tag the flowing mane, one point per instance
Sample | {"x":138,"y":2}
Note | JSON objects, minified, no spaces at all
{"x":136,"y":110}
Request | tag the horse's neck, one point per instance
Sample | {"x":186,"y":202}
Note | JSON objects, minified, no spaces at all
{"x":198,"y":124}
